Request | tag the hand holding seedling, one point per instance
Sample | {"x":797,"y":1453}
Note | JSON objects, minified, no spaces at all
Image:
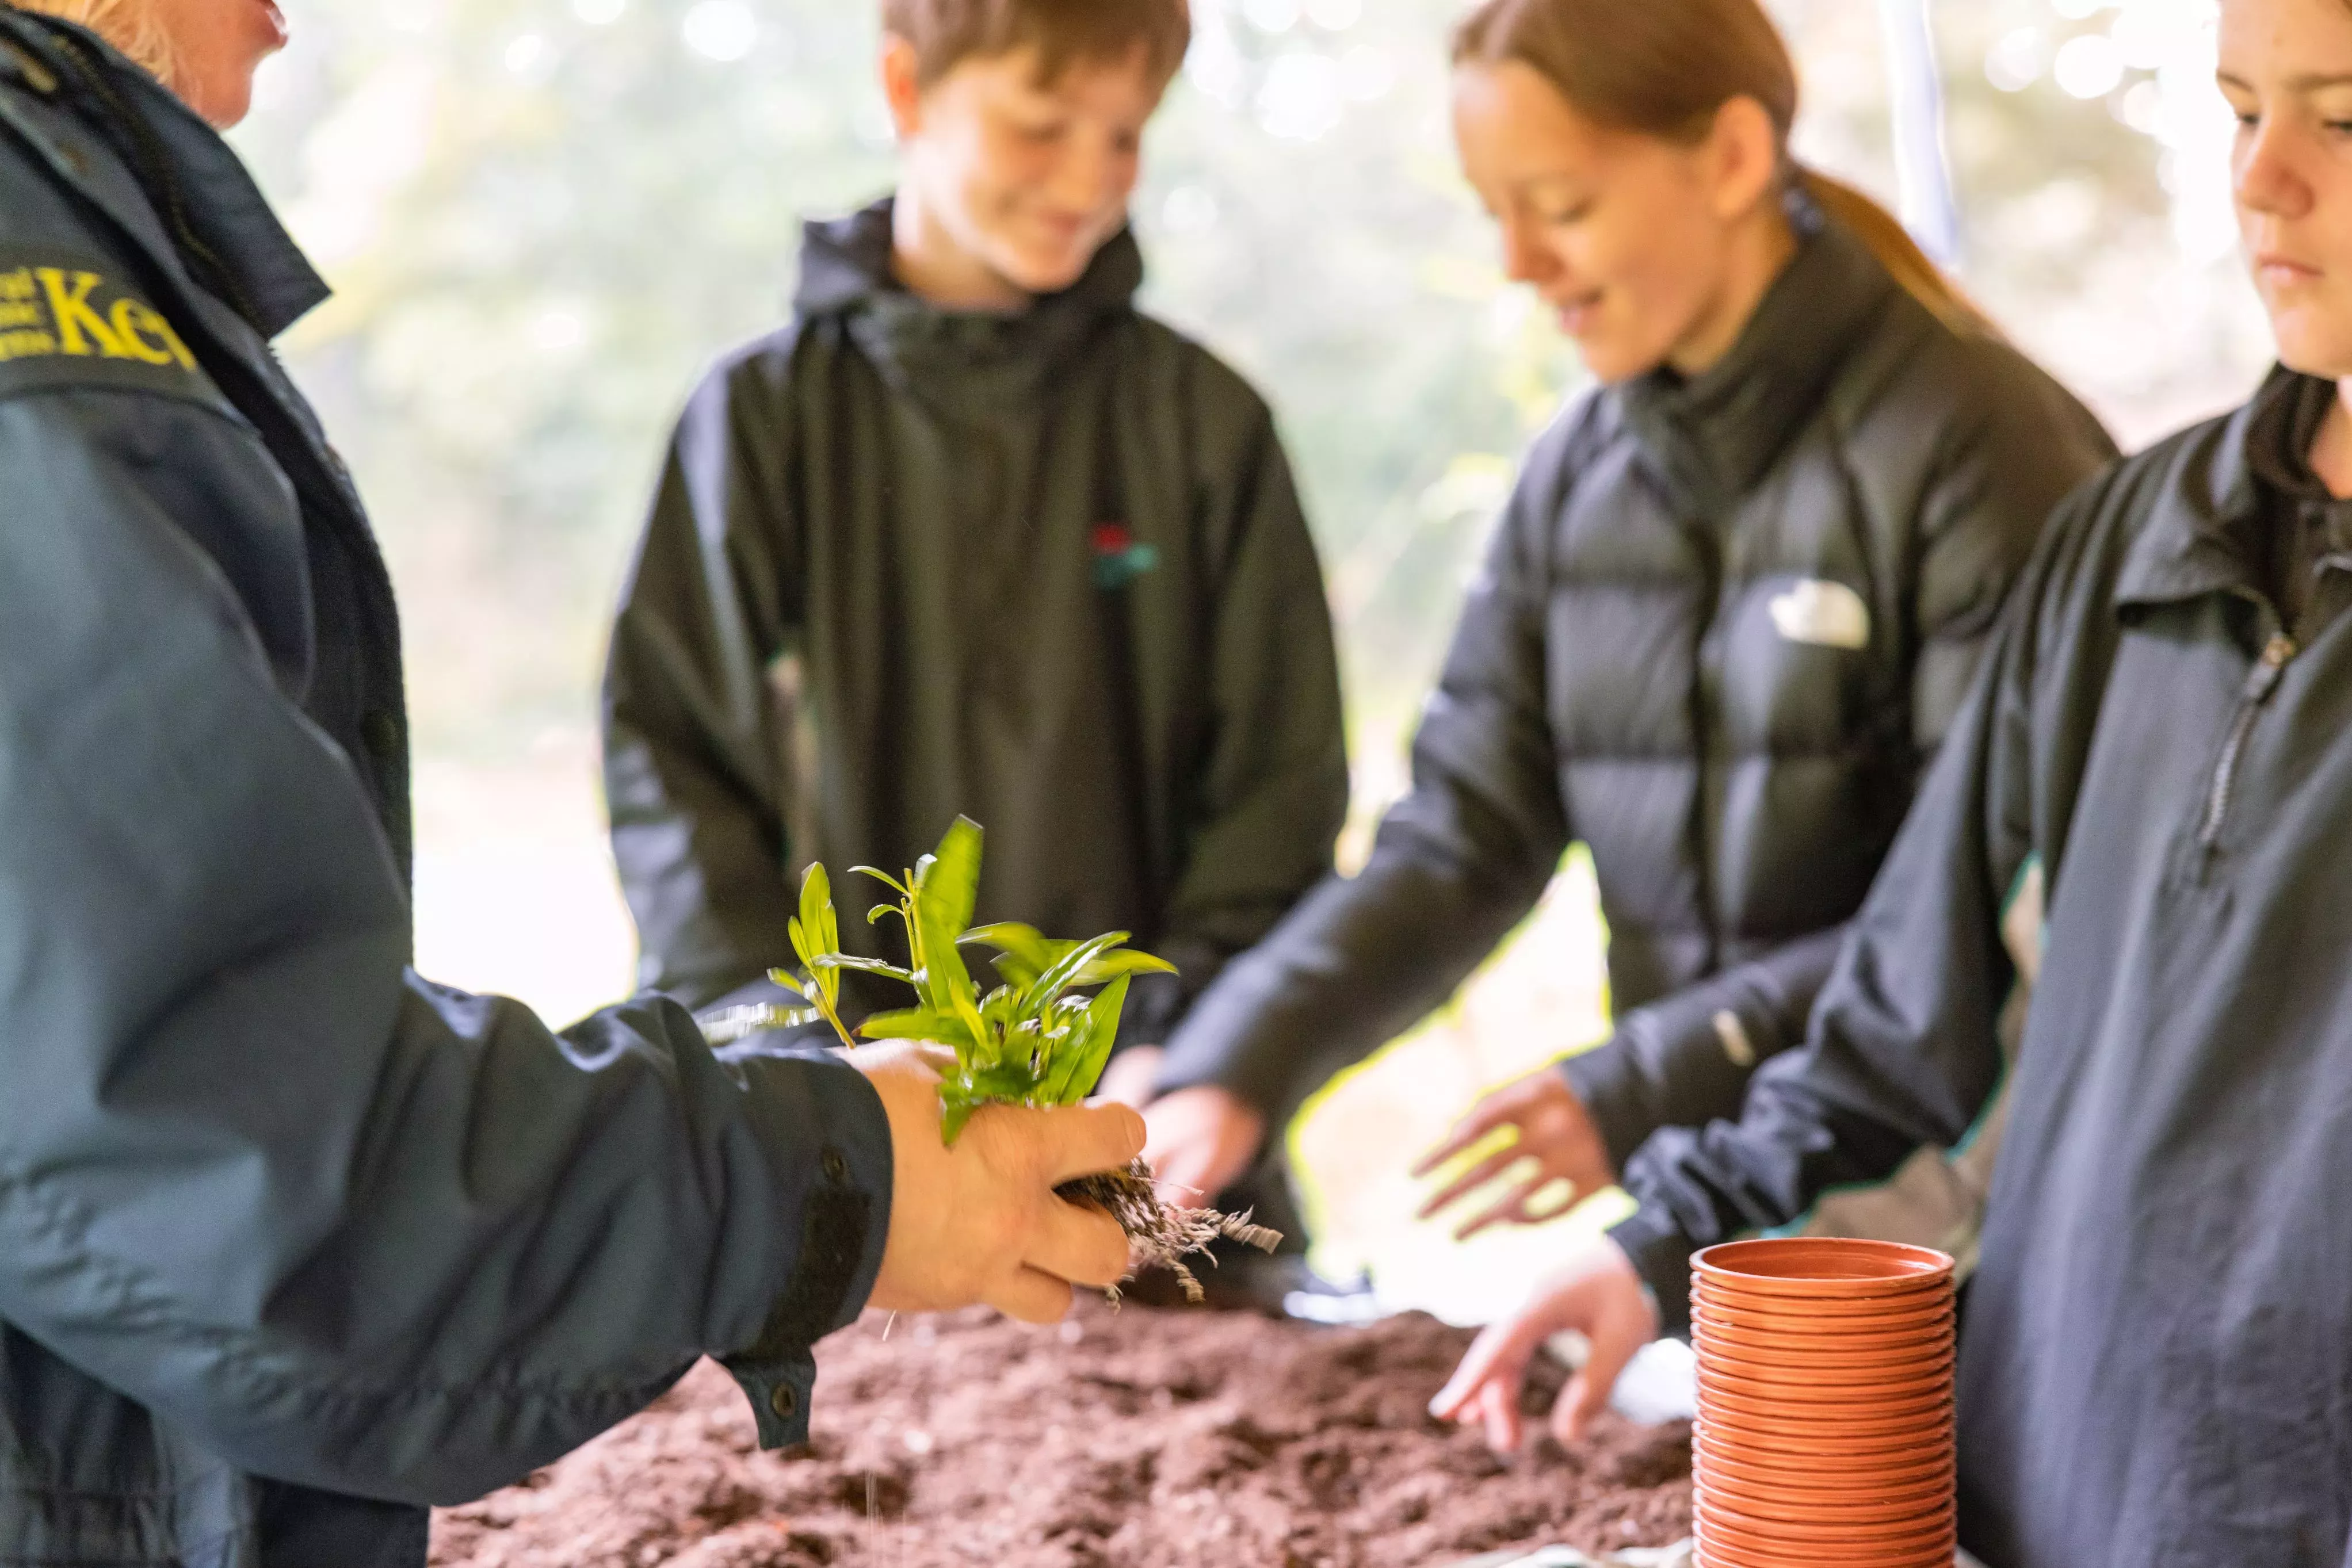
{"x":980,"y":1222}
{"x":986,"y":1115}
{"x":1601,"y":1297}
{"x":1554,"y":1142}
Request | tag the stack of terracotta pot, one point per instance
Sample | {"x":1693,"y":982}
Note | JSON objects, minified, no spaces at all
{"x":1824,"y":1434}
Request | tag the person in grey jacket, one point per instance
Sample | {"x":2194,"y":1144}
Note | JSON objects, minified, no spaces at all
{"x":1727,"y":618}
{"x":2155,"y":1358}
{"x":294,"y":1242}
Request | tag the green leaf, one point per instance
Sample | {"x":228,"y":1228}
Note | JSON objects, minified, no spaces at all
{"x":1022,"y":952}
{"x":792,"y":983}
{"x":1088,"y":1049}
{"x":1112,"y":966}
{"x":919,"y":1023}
{"x":947,"y":886}
{"x":864,"y":967}
{"x":1067,"y":970}
{"x":955,"y":1111}
{"x":816,"y":903}
{"x":884,"y":877}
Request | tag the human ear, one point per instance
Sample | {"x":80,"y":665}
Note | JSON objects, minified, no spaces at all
{"x":902,"y":84}
{"x":1743,"y":157}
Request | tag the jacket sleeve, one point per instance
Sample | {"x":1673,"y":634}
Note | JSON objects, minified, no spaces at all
{"x":1271,"y":794}
{"x":346,"y":1228}
{"x":1457,"y":863}
{"x":1903,"y":1051}
{"x":692,"y":758}
{"x":1687,"y":1060}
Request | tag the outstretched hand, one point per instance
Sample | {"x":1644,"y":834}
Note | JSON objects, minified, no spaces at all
{"x":1556,"y":1144}
{"x":1601,"y":1297}
{"x":1202,"y":1140}
{"x":980,"y":1223}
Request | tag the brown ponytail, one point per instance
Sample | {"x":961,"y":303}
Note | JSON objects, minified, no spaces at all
{"x":1663,"y":68}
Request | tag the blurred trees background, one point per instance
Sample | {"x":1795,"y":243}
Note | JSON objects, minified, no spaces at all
{"x":544,"y":216}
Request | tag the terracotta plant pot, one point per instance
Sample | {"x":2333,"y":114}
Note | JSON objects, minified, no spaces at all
{"x":1733,"y":1549}
{"x":1826,"y":1430}
{"x":1792,"y":1500}
{"x":1817,"y":1402}
{"x":1904,"y":1453}
{"x":1831,"y":1530}
{"x":1844,"y":1477}
{"x":1818,"y":1268}
{"x":1773,"y":1343}
{"x":1829,"y":1369}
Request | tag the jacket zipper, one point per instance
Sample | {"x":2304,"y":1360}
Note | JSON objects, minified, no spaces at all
{"x":2261,"y":685}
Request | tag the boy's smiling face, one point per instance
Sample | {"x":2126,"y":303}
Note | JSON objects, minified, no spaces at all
{"x":2286,"y":69}
{"x":1025,"y":178}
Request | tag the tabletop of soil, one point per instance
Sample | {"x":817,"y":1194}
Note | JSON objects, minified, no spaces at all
{"x":1128,"y":1439}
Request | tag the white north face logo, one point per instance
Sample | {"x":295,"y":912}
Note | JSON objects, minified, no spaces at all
{"x":1824,"y":614}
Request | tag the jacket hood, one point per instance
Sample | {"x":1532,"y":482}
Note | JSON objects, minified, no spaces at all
{"x":845,"y":266}
{"x":1715,"y":434}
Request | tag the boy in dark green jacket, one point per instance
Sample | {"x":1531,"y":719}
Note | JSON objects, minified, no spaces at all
{"x":973,"y":535}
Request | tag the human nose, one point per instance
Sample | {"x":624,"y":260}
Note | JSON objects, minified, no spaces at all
{"x":1093,"y":175}
{"x":2267,"y":180}
{"x":1524,"y":258}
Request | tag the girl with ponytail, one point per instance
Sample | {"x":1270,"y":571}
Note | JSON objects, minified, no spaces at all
{"x":1725,"y":618}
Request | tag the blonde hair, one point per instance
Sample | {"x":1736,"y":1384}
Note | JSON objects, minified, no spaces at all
{"x":130,"y":25}
{"x":1663,"y":68}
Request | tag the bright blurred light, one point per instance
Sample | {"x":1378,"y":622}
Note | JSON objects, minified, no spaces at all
{"x":1302,"y":98}
{"x":1271,"y":15}
{"x":2015,"y":62}
{"x":2144,"y":36}
{"x":1335,"y":16}
{"x":599,"y":13}
{"x":1367,"y":73}
{"x":2076,"y":10}
{"x":2143,"y":108}
{"x":721,"y":30}
{"x":526,"y":55}
{"x":1189,"y":209}
{"x":2088,"y":67}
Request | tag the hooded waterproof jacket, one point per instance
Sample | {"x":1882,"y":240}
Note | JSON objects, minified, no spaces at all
{"x":292,"y":1242}
{"x":2155,"y":1366}
{"x":1722,"y":625}
{"x":1047,"y":571}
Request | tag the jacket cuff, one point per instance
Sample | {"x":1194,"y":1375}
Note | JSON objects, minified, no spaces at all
{"x":1607,"y":1085}
{"x":842,"y":1189}
{"x":1661,"y":1254}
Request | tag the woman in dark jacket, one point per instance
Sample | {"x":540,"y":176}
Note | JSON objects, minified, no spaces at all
{"x":1725,"y":622}
{"x":293,"y":1241}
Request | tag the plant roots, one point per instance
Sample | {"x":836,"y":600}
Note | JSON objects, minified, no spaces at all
{"x":1162,"y":1236}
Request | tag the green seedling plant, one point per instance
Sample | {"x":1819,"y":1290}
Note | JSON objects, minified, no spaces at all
{"x":1040,"y":1038}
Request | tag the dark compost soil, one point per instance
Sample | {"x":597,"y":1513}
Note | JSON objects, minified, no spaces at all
{"x":1134,"y":1439}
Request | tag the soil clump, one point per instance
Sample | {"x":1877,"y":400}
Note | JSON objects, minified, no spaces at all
{"x":1137,"y":1438}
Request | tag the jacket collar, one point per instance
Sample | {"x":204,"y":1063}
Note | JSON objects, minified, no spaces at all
{"x":845,"y":272}
{"x":1719,"y":432}
{"x":214,"y":221}
{"x":2190,"y":547}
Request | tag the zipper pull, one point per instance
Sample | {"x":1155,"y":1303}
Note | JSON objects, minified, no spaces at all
{"x":2263,"y":679}
{"x":2261,"y":683}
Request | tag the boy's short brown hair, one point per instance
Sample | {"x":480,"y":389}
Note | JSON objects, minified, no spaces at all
{"x":945,"y":32}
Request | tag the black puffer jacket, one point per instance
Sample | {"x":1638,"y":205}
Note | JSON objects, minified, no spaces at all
{"x":1724,"y":623}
